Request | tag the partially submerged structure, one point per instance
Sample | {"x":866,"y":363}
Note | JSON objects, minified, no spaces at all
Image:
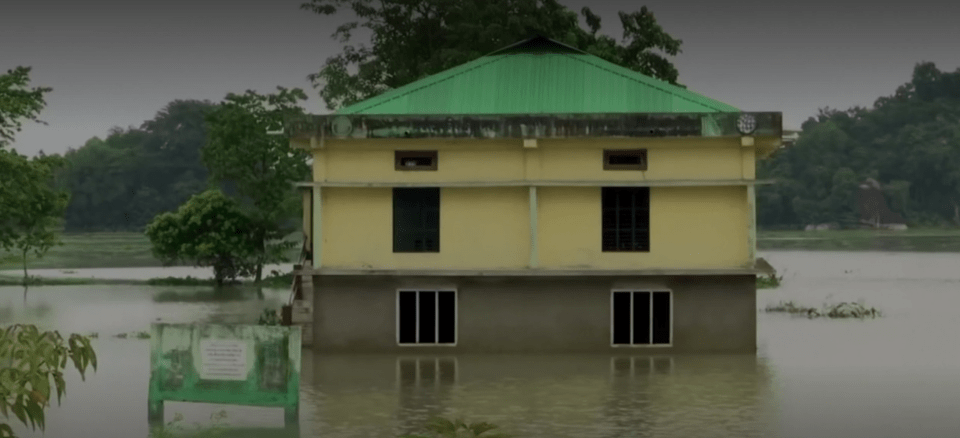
{"x":873,"y":209}
{"x":538,"y":199}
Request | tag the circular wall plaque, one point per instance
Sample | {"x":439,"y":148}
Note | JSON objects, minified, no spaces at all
{"x":341,"y":126}
{"x":746,"y":124}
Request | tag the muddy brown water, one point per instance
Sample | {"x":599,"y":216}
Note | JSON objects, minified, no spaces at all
{"x":895,"y":376}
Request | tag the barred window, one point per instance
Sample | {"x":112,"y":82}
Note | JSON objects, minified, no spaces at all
{"x":626,"y":219}
{"x":416,"y":219}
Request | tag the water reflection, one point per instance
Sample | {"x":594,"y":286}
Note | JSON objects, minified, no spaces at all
{"x":541,"y":396}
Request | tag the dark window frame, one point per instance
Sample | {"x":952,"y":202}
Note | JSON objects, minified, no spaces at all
{"x":400,"y":156}
{"x":654,"y":332}
{"x":641,"y":154}
{"x":625,"y":219}
{"x":416,"y":238}
{"x":436,"y":317}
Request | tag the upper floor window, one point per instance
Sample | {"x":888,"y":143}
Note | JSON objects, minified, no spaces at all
{"x":416,"y":219}
{"x":625,"y":219}
{"x":415,"y":160}
{"x":625,"y":159}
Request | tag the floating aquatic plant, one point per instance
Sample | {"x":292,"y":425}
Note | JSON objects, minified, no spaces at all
{"x":443,"y":428}
{"x":838,"y":310}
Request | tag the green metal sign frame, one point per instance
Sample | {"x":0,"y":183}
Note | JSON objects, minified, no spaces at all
{"x":251,"y":365}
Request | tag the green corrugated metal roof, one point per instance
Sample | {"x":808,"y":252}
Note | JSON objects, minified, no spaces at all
{"x":541,"y":78}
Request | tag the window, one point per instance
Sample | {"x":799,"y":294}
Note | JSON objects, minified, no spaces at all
{"x":416,"y":220}
{"x":415,"y":160}
{"x":426,"y":317}
{"x":626,"y":219}
{"x":641,"y":318}
{"x":625,"y":159}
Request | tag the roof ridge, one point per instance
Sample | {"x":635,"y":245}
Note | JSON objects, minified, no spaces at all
{"x":648,"y":81}
{"x":450,"y":75}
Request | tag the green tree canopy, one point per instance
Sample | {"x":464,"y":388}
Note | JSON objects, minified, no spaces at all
{"x":909,"y":141}
{"x":209,"y":230}
{"x":261,"y":166}
{"x":412,"y":39}
{"x":18,"y":102}
{"x":123,"y":181}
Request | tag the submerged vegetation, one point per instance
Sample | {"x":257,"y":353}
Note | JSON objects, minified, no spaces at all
{"x":828,"y":310}
{"x":769,"y":281}
{"x":175,"y":428}
{"x":270,"y":317}
{"x":443,"y":428}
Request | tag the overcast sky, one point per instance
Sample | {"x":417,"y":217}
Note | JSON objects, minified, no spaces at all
{"x":118,"y":62}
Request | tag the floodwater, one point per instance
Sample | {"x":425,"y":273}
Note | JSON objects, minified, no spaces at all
{"x":896,"y":376}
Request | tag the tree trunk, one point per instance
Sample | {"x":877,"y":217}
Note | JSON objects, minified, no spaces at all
{"x":25,"y":277}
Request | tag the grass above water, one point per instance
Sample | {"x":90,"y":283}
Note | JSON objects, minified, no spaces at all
{"x":100,"y":250}
{"x":856,"y":310}
{"x":924,"y":240}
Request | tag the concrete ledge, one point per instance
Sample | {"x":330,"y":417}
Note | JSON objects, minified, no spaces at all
{"x":534,"y":183}
{"x":528,"y":272}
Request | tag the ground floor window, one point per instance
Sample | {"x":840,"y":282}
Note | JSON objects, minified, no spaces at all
{"x":641,"y":317}
{"x":426,"y":317}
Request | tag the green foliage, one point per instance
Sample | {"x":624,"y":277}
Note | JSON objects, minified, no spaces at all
{"x":33,"y":208}
{"x":209,"y":230}
{"x":909,"y":142}
{"x":124,"y":181}
{"x":175,"y":428}
{"x":443,"y":428}
{"x":262,"y":167}
{"x":769,"y":281}
{"x":269,"y":317}
{"x":178,"y":281}
{"x":31,"y":360}
{"x":857,"y":310}
{"x":412,"y":39}
{"x":18,"y":102}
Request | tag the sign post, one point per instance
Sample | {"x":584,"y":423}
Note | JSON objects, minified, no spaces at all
{"x":252,"y":365}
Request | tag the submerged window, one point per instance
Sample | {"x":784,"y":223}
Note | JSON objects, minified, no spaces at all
{"x":625,"y":159}
{"x":415,"y":160}
{"x":641,"y":318}
{"x":416,"y":220}
{"x":626,"y":219}
{"x":426,"y":317}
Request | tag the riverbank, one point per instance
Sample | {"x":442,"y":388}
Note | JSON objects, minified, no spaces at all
{"x":283,"y":281}
{"x":100,"y":250}
{"x":914,"y":240}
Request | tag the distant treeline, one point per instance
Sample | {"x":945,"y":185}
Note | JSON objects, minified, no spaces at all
{"x":122,"y":182}
{"x":909,"y":142}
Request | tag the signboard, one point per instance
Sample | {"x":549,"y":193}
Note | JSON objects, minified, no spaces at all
{"x":253,"y":365}
{"x":222,"y":359}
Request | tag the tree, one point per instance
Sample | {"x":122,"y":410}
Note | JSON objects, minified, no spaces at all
{"x":262,"y":167}
{"x":412,"y":39}
{"x":32,"y":359}
{"x":122,"y":182}
{"x":909,"y":142}
{"x":18,"y":102}
{"x":32,"y":206}
{"x":209,"y":230}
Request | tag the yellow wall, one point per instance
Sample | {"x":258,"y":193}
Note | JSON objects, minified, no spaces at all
{"x":479,"y":228}
{"x":690,"y":227}
{"x":507,"y":160}
{"x":489,"y":227}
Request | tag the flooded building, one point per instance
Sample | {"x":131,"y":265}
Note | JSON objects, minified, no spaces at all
{"x":537,"y":199}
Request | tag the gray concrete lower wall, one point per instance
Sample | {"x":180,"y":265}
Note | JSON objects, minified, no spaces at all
{"x":711,"y":314}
